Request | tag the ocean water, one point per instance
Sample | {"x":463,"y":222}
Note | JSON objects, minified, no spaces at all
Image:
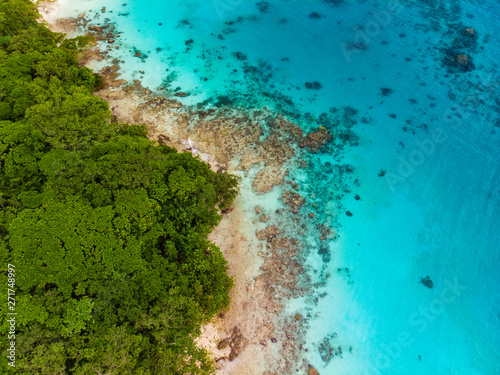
{"x":420,"y":82}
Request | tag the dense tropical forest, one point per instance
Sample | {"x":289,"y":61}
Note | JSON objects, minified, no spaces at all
{"x":103,"y":232}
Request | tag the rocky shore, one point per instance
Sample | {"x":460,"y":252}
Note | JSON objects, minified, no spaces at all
{"x":255,"y":335}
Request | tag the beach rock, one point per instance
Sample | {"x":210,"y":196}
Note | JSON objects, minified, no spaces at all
{"x":281,"y":243}
{"x":267,"y":178}
{"x":97,"y":29}
{"x":115,"y":95}
{"x":264,"y":218}
{"x":117,"y":83}
{"x":111,"y":41}
{"x":237,"y":343}
{"x":268,"y":234}
{"x":313,"y":371}
{"x":223,"y":344}
{"x":163,"y":139}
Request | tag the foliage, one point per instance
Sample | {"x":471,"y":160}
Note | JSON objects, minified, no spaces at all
{"x":107,"y":230}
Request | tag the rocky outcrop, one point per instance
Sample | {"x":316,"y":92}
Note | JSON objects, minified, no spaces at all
{"x":314,"y":141}
{"x":237,"y":343}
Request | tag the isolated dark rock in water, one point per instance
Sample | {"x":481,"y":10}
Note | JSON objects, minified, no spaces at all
{"x":313,"y":85}
{"x":324,"y":253}
{"x":316,"y":140}
{"x":348,"y":213}
{"x":223,"y":101}
{"x":456,"y":61}
{"x":386,"y":91}
{"x":263,"y":6}
{"x":326,"y":350}
{"x":426,"y":281}
{"x":240,"y":56}
{"x":334,"y":2}
{"x":315,"y":15}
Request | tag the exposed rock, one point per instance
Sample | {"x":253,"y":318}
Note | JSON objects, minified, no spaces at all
{"x":67,"y":25}
{"x":264,"y":218}
{"x":163,"y":139}
{"x":267,"y":178}
{"x":117,"y":83}
{"x":268,"y":234}
{"x":97,"y":29}
{"x":237,"y":343}
{"x":223,"y":344}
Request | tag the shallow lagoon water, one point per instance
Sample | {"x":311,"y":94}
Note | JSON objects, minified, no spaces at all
{"x":427,"y":165}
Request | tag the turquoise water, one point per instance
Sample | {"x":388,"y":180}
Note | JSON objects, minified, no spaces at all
{"x":426,"y":169}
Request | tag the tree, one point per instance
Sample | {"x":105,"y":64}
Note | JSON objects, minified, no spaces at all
{"x":107,"y":229}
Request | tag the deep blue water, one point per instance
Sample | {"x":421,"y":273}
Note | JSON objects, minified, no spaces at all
{"x":426,"y":170}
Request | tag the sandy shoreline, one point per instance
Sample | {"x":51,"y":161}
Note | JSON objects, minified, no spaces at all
{"x":258,"y":339}
{"x":252,"y":336}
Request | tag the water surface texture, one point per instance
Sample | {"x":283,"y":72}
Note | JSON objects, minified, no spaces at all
{"x":419,"y":82}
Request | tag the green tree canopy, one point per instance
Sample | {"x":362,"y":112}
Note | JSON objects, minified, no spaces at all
{"x":107,"y":229}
